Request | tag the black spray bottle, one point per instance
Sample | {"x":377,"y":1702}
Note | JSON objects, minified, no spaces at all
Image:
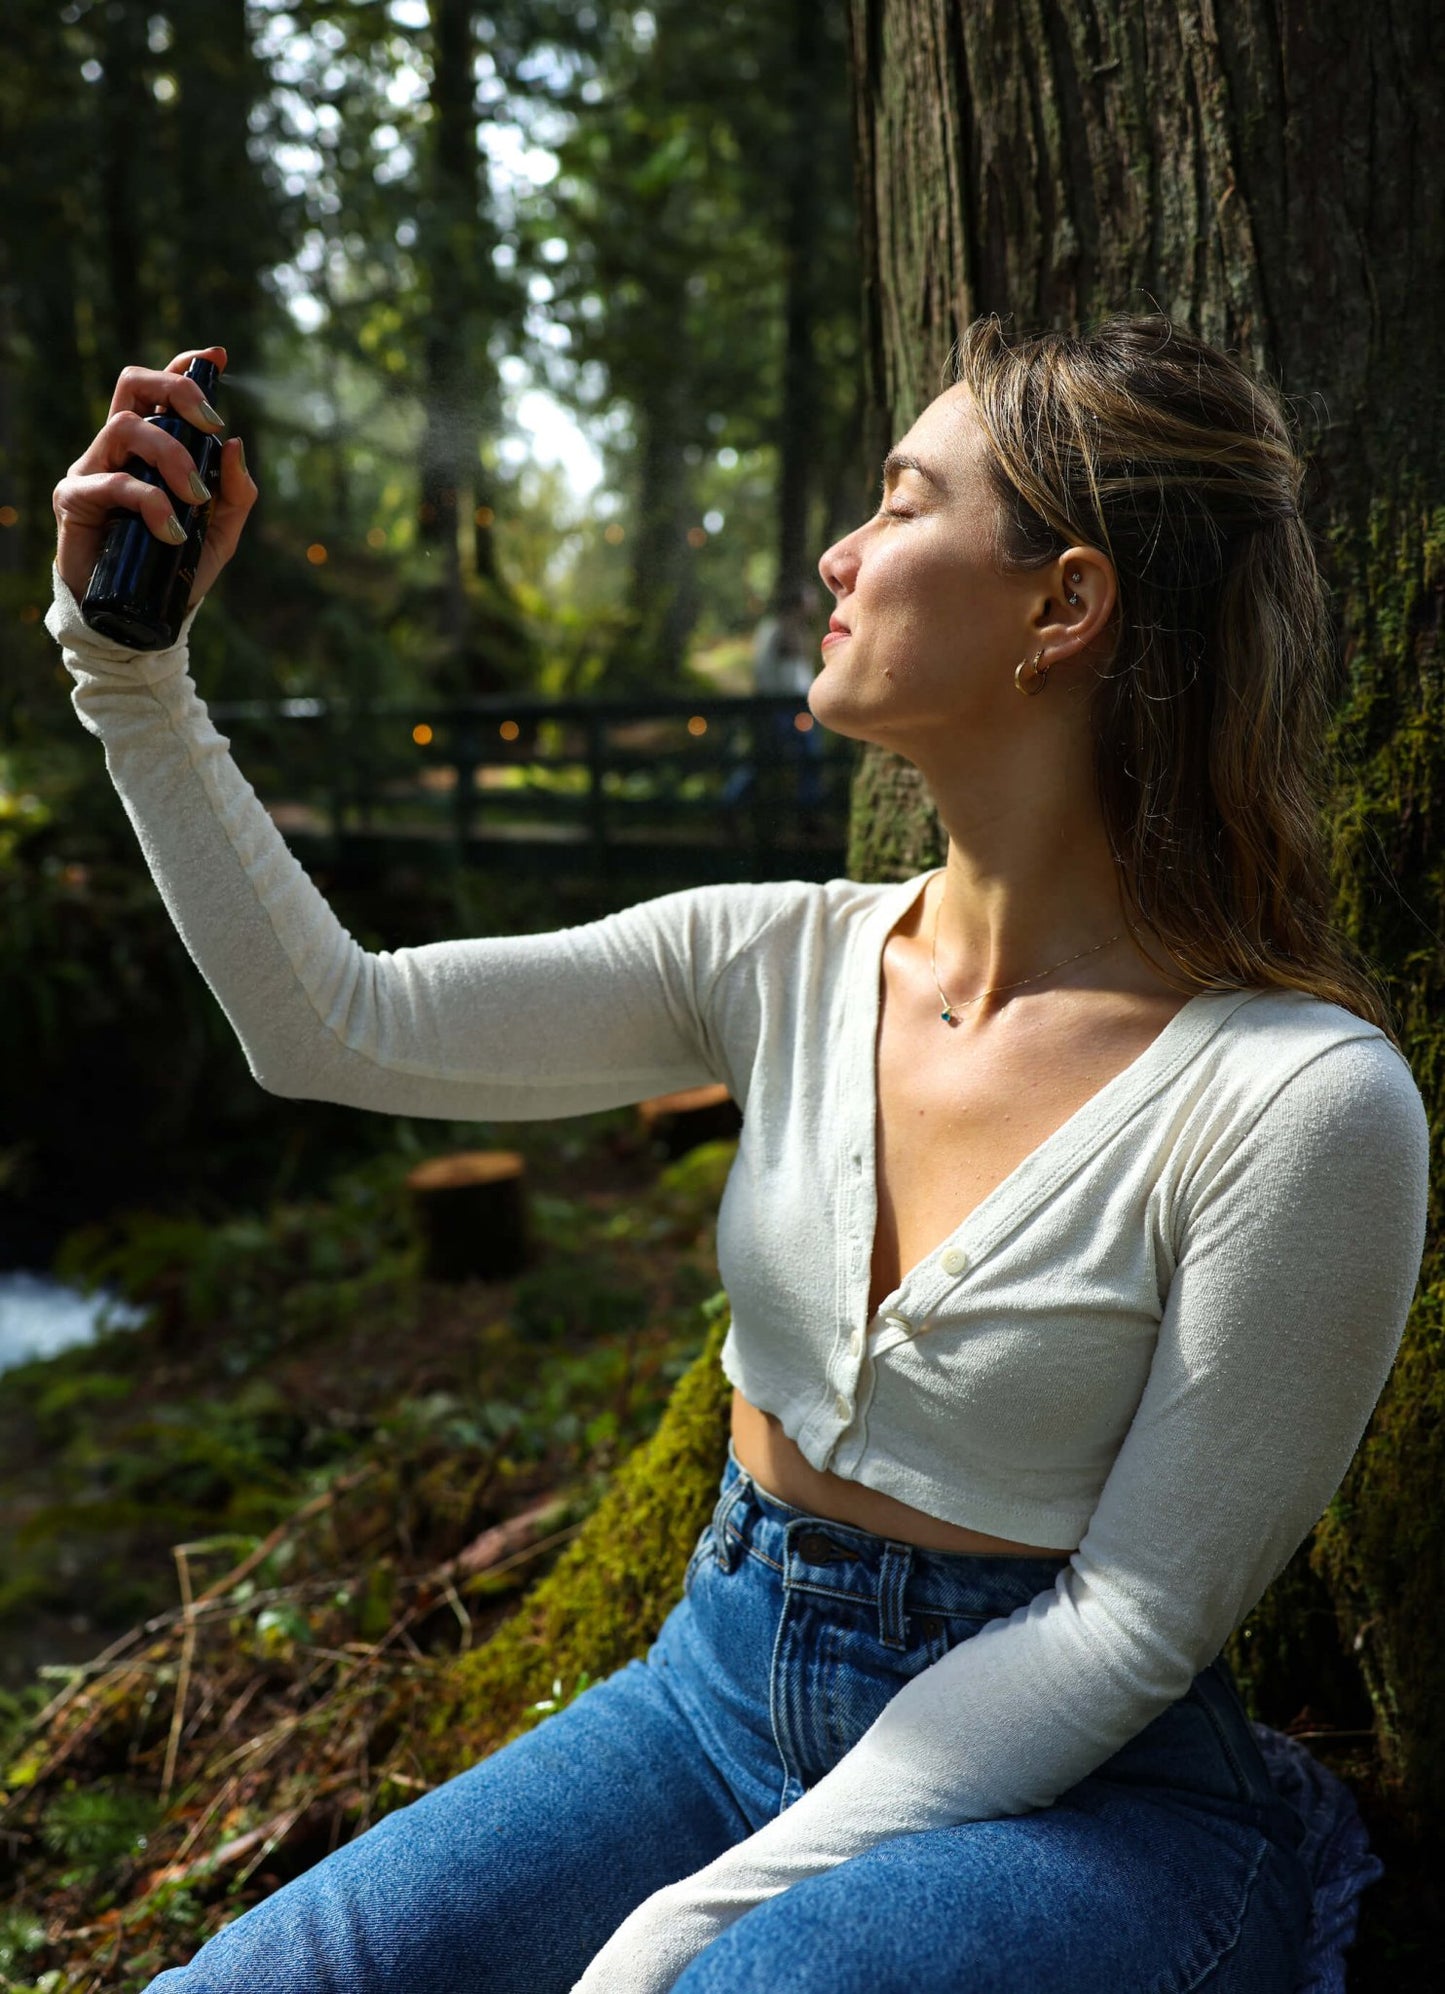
{"x":140,"y":586}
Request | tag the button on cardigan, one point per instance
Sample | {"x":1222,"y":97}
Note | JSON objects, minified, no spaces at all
{"x":1158,"y":1339}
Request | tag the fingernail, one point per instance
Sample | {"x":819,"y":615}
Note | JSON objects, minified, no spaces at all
{"x":208,"y":414}
{"x":241,"y":455}
{"x":173,"y":529}
{"x":198,"y":488}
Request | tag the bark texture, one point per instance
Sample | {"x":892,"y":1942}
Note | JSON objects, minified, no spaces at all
{"x":1272,"y":176}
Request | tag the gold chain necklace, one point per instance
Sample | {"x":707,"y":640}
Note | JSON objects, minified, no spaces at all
{"x":948,"y":1008}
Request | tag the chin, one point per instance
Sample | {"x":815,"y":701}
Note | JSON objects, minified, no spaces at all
{"x":832,"y":709}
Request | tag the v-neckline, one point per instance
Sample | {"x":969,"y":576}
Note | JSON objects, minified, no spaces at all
{"x":1033,"y":1174}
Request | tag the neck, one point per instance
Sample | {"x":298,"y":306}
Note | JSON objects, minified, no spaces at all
{"x":1017,"y":898}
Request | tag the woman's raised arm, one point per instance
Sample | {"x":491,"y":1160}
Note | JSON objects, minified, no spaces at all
{"x":526,"y":1027}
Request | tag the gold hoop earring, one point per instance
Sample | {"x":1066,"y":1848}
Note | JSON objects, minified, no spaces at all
{"x":1037,"y":679}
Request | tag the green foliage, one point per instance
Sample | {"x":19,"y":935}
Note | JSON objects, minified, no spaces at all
{"x":96,"y":1827}
{"x":21,"y":1935}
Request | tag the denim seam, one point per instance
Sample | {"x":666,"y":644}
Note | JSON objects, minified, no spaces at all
{"x":773,"y":1700}
{"x":751,"y":1550}
{"x":1220,"y":1957}
{"x":1226,"y":1746}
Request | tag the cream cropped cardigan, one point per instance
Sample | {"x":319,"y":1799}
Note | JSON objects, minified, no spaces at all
{"x":1160,"y":1338}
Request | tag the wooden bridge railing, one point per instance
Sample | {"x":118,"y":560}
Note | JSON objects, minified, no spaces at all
{"x":713,"y":787}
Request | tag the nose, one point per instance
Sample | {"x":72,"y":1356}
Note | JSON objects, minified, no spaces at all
{"x":839,"y":565}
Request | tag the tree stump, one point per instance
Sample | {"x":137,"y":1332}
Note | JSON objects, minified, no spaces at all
{"x":471,"y":1210}
{"x":679,"y":1122}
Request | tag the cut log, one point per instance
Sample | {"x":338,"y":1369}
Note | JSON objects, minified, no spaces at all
{"x":471,"y":1210}
{"x":679,"y":1122}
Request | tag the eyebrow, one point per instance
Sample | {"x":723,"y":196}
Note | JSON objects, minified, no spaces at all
{"x":899,"y":460}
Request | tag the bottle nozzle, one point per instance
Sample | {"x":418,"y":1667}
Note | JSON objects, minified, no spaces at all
{"x":205,"y":373}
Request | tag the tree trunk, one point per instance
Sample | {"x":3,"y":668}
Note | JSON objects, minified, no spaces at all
{"x":1270,"y":177}
{"x":457,"y":241}
{"x":662,"y":598}
{"x":225,"y":228}
{"x":798,"y":417}
{"x":127,"y":110}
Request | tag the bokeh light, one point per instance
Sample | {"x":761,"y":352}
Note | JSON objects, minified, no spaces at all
{"x":509,"y":730}
{"x":697,"y":725}
{"x":422,"y":735}
{"x":316,"y":553}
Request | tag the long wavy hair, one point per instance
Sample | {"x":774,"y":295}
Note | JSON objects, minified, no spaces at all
{"x":1210,"y":724}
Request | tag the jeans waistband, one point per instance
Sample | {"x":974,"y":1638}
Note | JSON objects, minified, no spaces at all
{"x":821,"y":1555}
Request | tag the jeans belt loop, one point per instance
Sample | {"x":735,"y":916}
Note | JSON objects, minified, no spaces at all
{"x":893,"y":1578}
{"x":727,"y":1552}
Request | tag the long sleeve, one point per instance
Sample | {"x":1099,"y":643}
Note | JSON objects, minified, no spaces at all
{"x":524,"y":1028}
{"x":1298,"y":1250}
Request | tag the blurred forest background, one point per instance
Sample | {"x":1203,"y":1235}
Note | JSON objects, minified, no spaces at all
{"x":543,"y":328}
{"x":419,"y":230}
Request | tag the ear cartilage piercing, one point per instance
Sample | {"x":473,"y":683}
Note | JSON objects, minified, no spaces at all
{"x":1072,"y":596}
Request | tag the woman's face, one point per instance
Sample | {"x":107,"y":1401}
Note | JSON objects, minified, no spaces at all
{"x":933,"y":627}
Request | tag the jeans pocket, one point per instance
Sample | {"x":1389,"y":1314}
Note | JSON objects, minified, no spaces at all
{"x":699,"y":1551}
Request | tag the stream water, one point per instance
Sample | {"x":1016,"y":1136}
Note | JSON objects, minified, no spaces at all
{"x":40,"y":1315}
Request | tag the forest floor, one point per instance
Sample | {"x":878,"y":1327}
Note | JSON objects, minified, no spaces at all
{"x":244,"y":1540}
{"x":308,"y":1478}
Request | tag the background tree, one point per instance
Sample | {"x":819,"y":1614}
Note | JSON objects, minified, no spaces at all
{"x":697,"y":247}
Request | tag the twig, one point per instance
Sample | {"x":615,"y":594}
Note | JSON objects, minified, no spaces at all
{"x":203,"y":1821}
{"x":531,"y":1551}
{"x":269,"y":1543}
{"x":267,"y":1835}
{"x":183,"y":1677}
{"x":454,"y":1601}
{"x":484,"y":1552}
{"x":102,"y":1661}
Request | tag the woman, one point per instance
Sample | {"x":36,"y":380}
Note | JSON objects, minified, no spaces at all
{"x":1077,"y":1213}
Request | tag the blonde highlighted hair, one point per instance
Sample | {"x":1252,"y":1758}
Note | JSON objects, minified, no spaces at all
{"x":1210,"y":723}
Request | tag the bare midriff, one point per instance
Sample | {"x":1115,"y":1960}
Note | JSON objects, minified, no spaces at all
{"x":958,"y":1109}
{"x":780,"y":1468}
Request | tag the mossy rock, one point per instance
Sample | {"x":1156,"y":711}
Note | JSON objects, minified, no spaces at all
{"x":598,"y":1607}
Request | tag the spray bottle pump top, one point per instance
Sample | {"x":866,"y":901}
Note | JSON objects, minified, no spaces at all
{"x":205,"y":374}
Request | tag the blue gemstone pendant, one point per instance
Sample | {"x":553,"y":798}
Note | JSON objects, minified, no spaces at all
{"x":947,"y":1017}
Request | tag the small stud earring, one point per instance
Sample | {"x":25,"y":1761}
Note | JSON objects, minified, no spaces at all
{"x":1072,"y":597}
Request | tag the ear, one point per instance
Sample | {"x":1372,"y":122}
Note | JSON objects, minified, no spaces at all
{"x":1075,"y":603}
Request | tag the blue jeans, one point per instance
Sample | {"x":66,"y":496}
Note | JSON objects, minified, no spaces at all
{"x":1172,"y":1867}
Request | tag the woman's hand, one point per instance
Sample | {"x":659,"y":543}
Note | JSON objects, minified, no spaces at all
{"x":96,"y":482}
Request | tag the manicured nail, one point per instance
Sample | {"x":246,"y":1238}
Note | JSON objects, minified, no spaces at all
{"x":173,"y":529}
{"x":241,"y":456}
{"x":198,"y":488}
{"x":208,"y":414}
